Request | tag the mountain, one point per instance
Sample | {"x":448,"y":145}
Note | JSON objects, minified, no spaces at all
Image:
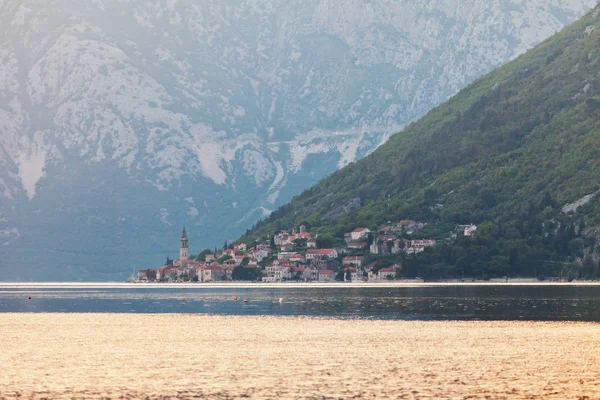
{"x":516,"y":152}
{"x":122,"y":120}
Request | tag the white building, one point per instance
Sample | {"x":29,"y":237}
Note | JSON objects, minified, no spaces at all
{"x":470,"y":230}
{"x":388,"y":273}
{"x":359,"y":233}
{"x":315,"y":254}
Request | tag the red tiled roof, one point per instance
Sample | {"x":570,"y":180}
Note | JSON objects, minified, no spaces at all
{"x":326,"y":272}
{"x":422,"y":242}
{"x":304,"y":235}
{"x":320,"y":251}
{"x":357,"y":230}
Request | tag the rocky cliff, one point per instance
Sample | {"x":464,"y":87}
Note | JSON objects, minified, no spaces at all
{"x":122,"y":120}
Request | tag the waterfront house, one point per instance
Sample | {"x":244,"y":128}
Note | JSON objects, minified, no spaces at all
{"x":388,"y":273}
{"x":142,"y":275}
{"x":212,"y":273}
{"x":229,"y":271}
{"x":326,"y":275}
{"x":310,"y":274}
{"x":358,"y":276}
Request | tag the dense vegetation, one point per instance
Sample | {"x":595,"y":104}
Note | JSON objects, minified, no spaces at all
{"x":506,"y":153}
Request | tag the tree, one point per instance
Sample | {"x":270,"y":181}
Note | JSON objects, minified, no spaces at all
{"x":203,"y":254}
{"x":300,"y":244}
{"x":151,"y":274}
{"x":370,"y":239}
{"x":224,"y":258}
{"x":325,"y":241}
{"x":348,"y":275}
{"x":240,"y":273}
{"x":430,"y":196}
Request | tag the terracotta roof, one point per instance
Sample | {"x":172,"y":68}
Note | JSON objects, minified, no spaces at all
{"x":320,"y":251}
{"x":422,"y":242}
{"x":357,"y":230}
{"x":326,"y":272}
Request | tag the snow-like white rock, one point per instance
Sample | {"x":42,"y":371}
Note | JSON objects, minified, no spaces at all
{"x":247,"y":104}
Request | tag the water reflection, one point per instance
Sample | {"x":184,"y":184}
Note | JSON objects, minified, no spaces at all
{"x":554,"y":303}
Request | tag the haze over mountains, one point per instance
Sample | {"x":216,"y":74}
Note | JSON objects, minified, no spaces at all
{"x":515,"y":152}
{"x":122,"y":120}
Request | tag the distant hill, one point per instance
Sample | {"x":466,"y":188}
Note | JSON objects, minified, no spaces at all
{"x":509,"y":152}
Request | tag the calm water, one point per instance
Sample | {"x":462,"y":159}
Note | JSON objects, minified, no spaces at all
{"x":499,"y":302}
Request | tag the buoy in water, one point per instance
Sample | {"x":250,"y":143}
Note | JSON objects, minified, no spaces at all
{"x":235,"y":298}
{"x":29,"y":298}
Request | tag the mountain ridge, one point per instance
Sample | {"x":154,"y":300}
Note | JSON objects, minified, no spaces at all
{"x":509,"y":151}
{"x":213,"y":113}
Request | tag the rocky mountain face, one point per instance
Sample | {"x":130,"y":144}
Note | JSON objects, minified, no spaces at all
{"x":121,"y":120}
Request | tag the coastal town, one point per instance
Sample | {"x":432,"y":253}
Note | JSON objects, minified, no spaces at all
{"x":300,"y":255}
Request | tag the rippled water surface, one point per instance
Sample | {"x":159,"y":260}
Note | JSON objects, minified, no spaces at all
{"x":191,"y":356}
{"x":443,"y":302}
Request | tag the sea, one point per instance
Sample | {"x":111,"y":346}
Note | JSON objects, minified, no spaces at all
{"x":300,"y":341}
{"x":463,"y":302}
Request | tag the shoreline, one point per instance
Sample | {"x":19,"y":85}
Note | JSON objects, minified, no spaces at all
{"x":292,"y":285}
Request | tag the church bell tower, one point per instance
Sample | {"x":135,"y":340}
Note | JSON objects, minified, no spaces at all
{"x":183,"y":247}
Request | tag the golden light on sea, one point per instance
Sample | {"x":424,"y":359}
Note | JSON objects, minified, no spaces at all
{"x":64,"y":356}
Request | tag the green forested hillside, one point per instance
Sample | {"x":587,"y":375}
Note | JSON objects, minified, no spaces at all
{"x":506,"y":153}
